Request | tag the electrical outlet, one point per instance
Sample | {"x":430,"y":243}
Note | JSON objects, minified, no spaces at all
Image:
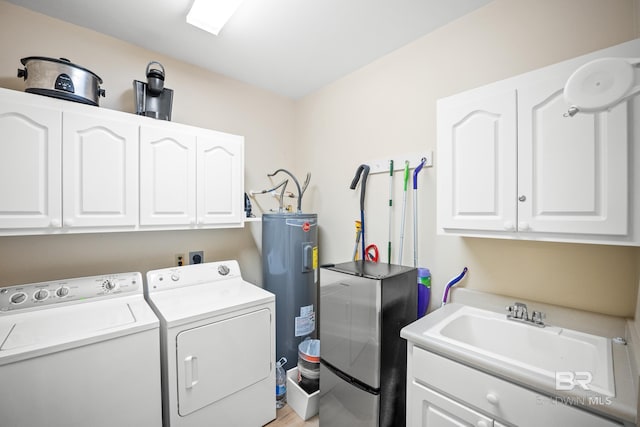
{"x":180,"y":261}
{"x":196,"y":257}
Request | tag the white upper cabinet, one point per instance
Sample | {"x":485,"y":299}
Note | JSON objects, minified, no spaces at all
{"x":72,"y":168}
{"x":511,"y":165}
{"x":189,"y":178}
{"x":30,"y":166}
{"x":167,"y":176}
{"x":219,"y":179}
{"x":476,"y":164}
{"x":100,"y":171}
{"x":572,"y":172}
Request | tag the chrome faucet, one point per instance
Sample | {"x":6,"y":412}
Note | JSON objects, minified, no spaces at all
{"x":520,"y":313}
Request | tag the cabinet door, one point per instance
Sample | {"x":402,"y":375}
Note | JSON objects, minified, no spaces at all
{"x":432,"y":409}
{"x":100,"y":173}
{"x":219,"y":179}
{"x":30,"y":166}
{"x":477,"y":162}
{"x":167,"y":177}
{"x":572,"y":171}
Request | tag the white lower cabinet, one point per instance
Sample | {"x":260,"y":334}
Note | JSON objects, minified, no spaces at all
{"x":433,"y":409}
{"x":445,"y":393}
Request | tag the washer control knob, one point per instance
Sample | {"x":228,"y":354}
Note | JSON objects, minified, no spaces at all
{"x":175,"y":277}
{"x":62,"y":291}
{"x":108,"y":285}
{"x":223,"y":270}
{"x":41,"y":295}
{"x":18,"y":298}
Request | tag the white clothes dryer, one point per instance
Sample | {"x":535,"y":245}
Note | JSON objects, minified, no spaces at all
{"x":79,"y":352}
{"x":218,"y":346}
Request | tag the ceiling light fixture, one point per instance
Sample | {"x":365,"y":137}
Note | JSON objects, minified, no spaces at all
{"x":211,"y":15}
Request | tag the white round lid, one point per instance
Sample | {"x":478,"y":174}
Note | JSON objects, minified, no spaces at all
{"x":599,"y":84}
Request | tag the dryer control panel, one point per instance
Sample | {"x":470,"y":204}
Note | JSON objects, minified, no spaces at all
{"x":77,"y":290}
{"x":188,"y":275}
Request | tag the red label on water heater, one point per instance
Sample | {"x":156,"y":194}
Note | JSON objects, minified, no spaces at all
{"x":306,"y":227}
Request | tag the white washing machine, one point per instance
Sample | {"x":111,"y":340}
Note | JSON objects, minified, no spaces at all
{"x":79,"y":352}
{"x":218,"y":346}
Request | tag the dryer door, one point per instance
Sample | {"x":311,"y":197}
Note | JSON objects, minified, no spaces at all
{"x":221,"y":358}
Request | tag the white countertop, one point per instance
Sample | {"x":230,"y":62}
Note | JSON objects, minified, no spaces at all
{"x":624,"y":406}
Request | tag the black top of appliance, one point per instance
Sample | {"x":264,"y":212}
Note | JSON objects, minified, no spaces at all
{"x":368,"y":269}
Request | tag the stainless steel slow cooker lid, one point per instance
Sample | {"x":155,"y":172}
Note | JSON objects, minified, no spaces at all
{"x":63,"y":61}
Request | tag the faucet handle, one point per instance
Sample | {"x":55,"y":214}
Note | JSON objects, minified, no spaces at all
{"x":521,"y":311}
{"x":538,"y":317}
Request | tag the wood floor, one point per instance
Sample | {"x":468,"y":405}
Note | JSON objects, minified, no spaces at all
{"x":287,"y":417}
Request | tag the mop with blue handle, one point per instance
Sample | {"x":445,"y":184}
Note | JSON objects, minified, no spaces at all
{"x":415,"y":210}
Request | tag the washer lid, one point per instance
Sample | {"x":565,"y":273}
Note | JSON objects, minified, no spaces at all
{"x":39,"y":332}
{"x":68,"y":325}
{"x":600,"y":84}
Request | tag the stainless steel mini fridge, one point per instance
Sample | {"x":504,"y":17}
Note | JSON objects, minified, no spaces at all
{"x":363,"y":360}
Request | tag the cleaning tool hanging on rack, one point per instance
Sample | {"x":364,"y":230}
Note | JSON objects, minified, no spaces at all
{"x":404,"y":209}
{"x":424,"y":291}
{"x":372,"y":253}
{"x":363,"y":170}
{"x":358,"y":237}
{"x":452,"y":282}
{"x":415,"y":210}
{"x":390,"y":210}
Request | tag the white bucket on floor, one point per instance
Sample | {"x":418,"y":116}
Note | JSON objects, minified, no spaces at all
{"x":305,"y":405}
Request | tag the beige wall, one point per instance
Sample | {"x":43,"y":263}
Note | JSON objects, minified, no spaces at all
{"x":201,"y":98}
{"x":384,"y":109}
{"x":388,"y":108}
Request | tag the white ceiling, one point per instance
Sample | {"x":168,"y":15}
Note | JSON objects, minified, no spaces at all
{"x":291,"y":47}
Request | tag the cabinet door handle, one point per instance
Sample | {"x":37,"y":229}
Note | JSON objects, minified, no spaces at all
{"x":55,"y":223}
{"x":522,"y":225}
{"x":482,"y":423}
{"x":492,"y":398}
{"x":522,"y":198}
{"x":509,"y":226}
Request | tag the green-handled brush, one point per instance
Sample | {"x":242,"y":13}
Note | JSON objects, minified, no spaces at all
{"x":404,"y":208}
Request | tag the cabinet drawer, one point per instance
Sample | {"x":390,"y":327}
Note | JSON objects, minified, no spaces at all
{"x":433,"y":409}
{"x":499,"y":398}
